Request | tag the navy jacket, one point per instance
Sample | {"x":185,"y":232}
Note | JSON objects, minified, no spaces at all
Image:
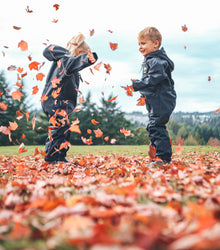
{"x":63,"y":78}
{"x":156,"y":78}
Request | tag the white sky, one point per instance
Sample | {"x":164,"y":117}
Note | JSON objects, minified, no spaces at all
{"x":125,"y":19}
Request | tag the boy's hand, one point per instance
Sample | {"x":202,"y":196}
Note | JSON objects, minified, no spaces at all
{"x":91,"y":56}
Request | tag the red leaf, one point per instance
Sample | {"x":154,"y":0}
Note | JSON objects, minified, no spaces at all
{"x":141,"y":101}
{"x":91,"y":32}
{"x":113,"y":46}
{"x":87,"y":141}
{"x":23,"y":45}
{"x":209,"y":78}
{"x":56,"y":6}
{"x":28,"y":10}
{"x":98,"y":133}
{"x":129,"y":90}
{"x":33,"y":122}
{"x":126,"y":132}
{"x":108,"y":68}
{"x":55,"y":81}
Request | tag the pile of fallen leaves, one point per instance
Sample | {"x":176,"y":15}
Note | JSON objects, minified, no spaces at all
{"x":102,"y":202}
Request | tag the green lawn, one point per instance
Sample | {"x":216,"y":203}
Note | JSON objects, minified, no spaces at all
{"x":100,"y":149}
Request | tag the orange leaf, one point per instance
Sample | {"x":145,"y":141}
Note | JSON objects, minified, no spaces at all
{"x":55,"y":81}
{"x":40,"y":76}
{"x":75,"y":128}
{"x":152,"y":152}
{"x":126,"y":132}
{"x":21,"y":148}
{"x":23,"y":136}
{"x":5,"y":130}
{"x":141,"y":101}
{"x":13,"y":126}
{"x":89,"y":131}
{"x":35,"y":89}
{"x":93,"y":121}
{"x":108,"y":68}
{"x":113,"y":46}
{"x":56,"y":93}
{"x":113,"y":140}
{"x":23,"y":45}
{"x":209,"y":78}
{"x":16,"y":95}
{"x":91,"y":32}
{"x":98,"y":133}
{"x":33,"y":122}
{"x":179,"y":150}
{"x":55,"y":21}
{"x":34,"y":65}
{"x":217,"y":111}
{"x":184,"y":28}
{"x":27,"y":115}
{"x":43,"y":98}
{"x":113,"y":98}
{"x":106,"y":138}
{"x":97,"y":66}
{"x":129,"y":90}
{"x":20,"y":70}
{"x":81,"y":100}
{"x":87,"y":141}
{"x":3,"y":106}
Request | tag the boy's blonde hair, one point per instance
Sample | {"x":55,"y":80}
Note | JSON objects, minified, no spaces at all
{"x":77,"y":42}
{"x":152,"y":33}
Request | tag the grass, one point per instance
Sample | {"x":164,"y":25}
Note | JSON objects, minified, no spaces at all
{"x":104,"y":149}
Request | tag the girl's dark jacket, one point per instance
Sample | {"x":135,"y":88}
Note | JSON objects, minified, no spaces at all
{"x":156,"y":79}
{"x":63,"y":78}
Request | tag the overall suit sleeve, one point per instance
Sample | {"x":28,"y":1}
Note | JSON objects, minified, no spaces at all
{"x":54,"y":52}
{"x":156,"y":73}
{"x":79,"y":62}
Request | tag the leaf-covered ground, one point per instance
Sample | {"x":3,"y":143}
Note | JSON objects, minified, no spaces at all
{"x":110,"y":201}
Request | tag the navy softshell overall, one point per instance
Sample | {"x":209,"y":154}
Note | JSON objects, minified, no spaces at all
{"x":157,"y":86}
{"x":60,"y":97}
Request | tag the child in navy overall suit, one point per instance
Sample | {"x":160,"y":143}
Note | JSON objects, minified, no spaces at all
{"x":157,"y":86}
{"x":60,"y":92}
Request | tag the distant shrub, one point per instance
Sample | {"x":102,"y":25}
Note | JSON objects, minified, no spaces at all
{"x":190,"y":141}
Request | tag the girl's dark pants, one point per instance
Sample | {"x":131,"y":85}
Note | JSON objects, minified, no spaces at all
{"x":60,"y":134}
{"x":159,"y":110}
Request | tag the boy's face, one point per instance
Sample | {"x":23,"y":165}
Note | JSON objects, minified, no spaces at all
{"x":146,"y":46}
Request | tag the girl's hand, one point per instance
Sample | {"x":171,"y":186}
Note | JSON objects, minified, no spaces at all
{"x":91,"y":56}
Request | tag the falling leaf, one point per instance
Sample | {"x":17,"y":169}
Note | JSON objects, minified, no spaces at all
{"x":113,"y":141}
{"x":28,"y":10}
{"x":23,"y":45}
{"x":23,"y":136}
{"x":75,"y":127}
{"x":34,"y":65}
{"x":113,"y":46}
{"x":89,"y":131}
{"x":56,"y":6}
{"x":20,"y":70}
{"x":16,"y":95}
{"x":91,"y":32}
{"x":87,"y":141}
{"x":108,"y":68}
{"x":97,"y":66}
{"x":81,"y":99}
{"x":185,"y":47}
{"x":126,"y":132}
{"x":43,"y":98}
{"x":16,"y":27}
{"x":29,"y":58}
{"x":141,"y":101}
{"x":40,"y":76}
{"x":3,"y":106}
{"x":209,"y":78}
{"x":129,"y":90}
{"x":27,"y":115}
{"x":5,"y":130}
{"x":94,"y":122}
{"x":55,"y":81}
{"x":106,"y":138}
{"x":113,"y":98}
{"x":13,"y":125}
{"x":110,"y":31}
{"x":12,"y":68}
{"x":184,"y":28}
{"x":55,"y":21}
{"x":33,"y":122}
{"x":21,"y":148}
{"x":23,"y":75}
{"x":98,"y":133}
{"x":217,"y":111}
{"x":86,"y":82}
{"x":35,"y":90}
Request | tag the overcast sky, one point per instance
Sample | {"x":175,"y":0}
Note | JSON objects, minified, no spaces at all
{"x":193,"y":64}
